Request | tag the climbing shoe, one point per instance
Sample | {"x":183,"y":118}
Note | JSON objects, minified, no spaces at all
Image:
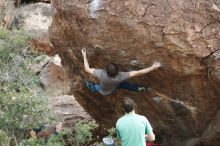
{"x":89,"y":84}
{"x":144,"y":89}
{"x":140,"y":89}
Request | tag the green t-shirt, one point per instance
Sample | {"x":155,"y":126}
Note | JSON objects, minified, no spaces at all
{"x":131,"y":129}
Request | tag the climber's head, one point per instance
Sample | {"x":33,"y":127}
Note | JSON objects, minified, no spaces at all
{"x":112,"y":69}
{"x":128,"y":104}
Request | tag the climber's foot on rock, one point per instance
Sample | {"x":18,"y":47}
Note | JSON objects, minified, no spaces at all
{"x":144,"y":89}
{"x":88,"y":84}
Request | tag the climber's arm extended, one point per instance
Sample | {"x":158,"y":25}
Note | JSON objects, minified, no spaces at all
{"x":145,"y":70}
{"x":86,"y":64}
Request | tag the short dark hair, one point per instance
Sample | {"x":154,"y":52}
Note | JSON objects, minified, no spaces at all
{"x":128,"y":104}
{"x":112,"y":69}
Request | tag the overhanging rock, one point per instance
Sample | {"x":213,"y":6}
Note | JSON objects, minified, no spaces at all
{"x":183,"y":35}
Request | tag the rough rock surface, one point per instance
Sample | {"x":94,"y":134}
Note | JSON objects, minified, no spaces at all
{"x":183,"y":35}
{"x":35,"y":19}
{"x":54,"y":78}
{"x":68,"y":110}
{"x":55,"y":81}
{"x":20,"y":2}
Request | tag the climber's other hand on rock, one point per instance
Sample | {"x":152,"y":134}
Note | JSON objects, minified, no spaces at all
{"x":156,"y":65}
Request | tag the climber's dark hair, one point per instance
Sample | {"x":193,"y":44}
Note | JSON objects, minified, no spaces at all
{"x":112,"y":69}
{"x":128,"y":104}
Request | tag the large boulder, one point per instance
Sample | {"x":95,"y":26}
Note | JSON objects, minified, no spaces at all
{"x":54,"y":78}
{"x":183,"y":35}
{"x":35,"y":19}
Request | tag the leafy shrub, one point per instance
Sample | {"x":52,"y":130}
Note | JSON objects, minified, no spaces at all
{"x":53,"y":140}
{"x":81,"y":136}
{"x":4,"y":139}
{"x":22,"y":101}
{"x":112,"y":132}
{"x":15,"y":57}
{"x":83,"y":132}
{"x":21,"y":112}
{"x":33,"y":142}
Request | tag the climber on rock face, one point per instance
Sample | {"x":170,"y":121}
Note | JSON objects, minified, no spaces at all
{"x":110,"y":79}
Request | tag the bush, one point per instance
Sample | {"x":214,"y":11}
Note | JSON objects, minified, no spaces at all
{"x":4,"y":139}
{"x":81,"y":136}
{"x":112,"y":132}
{"x":21,"y":112}
{"x":32,"y":142}
{"x":83,"y":132}
{"x":54,"y":140}
{"x":15,"y":57}
{"x":63,"y":138}
{"x":22,"y":101}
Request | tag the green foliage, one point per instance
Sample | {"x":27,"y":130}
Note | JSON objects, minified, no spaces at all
{"x":4,"y":139}
{"x":3,"y":34}
{"x":33,"y":142}
{"x":15,"y":57}
{"x":22,"y":102}
{"x":83,"y":132}
{"x":54,"y":140}
{"x":112,"y":134}
{"x":20,"y":112}
{"x":112,"y":131}
{"x":61,"y":139}
{"x":81,"y":136}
